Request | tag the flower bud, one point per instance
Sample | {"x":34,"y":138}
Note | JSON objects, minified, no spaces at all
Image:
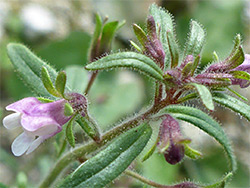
{"x":171,"y":140}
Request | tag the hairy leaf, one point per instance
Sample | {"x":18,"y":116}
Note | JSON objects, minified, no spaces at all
{"x":61,"y":82}
{"x":140,"y":34}
{"x":234,"y":104}
{"x":205,"y":95}
{"x":192,"y":153}
{"x":195,"y":40}
{"x":48,"y":83}
{"x":237,"y":58}
{"x":128,"y":59}
{"x":28,"y":67}
{"x":174,"y":51}
{"x":240,"y":75}
{"x":69,"y":133}
{"x":95,"y":37}
{"x":110,"y":162}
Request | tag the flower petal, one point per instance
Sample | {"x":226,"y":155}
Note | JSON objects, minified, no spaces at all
{"x":23,"y":105}
{"x":21,"y":144}
{"x":35,"y":144}
{"x":53,"y":110}
{"x":12,"y":121}
{"x":33,"y":123}
{"x":46,"y":130}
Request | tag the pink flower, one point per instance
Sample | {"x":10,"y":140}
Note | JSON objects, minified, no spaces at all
{"x":39,"y":122}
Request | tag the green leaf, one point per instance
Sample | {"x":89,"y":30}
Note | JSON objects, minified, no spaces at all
{"x":44,"y":100}
{"x":69,"y":132}
{"x":192,"y":153}
{"x":77,"y":78}
{"x":68,"y":110}
{"x":48,"y":83}
{"x":164,"y":23}
{"x":150,"y":151}
{"x":174,"y":50}
{"x":237,"y":94}
{"x":140,"y":34}
{"x":28,"y":67}
{"x":108,"y":34}
{"x":195,"y":40}
{"x":61,"y":82}
{"x":234,"y":104}
{"x":95,"y":37}
{"x":110,"y":162}
{"x":205,"y":123}
{"x":187,"y":69}
{"x":135,"y":46}
{"x":237,"y":58}
{"x":195,"y":65}
{"x":237,"y":42}
{"x":98,"y":29}
{"x":132,"y":60}
{"x":216,"y":57}
{"x":241,"y":75}
{"x":205,"y":95}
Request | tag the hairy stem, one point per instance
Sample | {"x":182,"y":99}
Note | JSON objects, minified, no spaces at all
{"x":154,"y":184}
{"x":143,"y":179}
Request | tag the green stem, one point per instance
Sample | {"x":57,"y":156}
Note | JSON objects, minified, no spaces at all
{"x":144,"y":180}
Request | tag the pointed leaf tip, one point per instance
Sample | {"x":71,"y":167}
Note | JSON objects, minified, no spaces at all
{"x":48,"y":83}
{"x":195,"y":40}
{"x":61,"y":82}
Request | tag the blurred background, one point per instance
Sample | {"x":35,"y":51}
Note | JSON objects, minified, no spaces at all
{"x":60,"y":32}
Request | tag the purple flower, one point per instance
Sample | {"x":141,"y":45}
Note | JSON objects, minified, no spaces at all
{"x":39,"y":122}
{"x":222,"y":74}
{"x":171,"y":140}
{"x":245,"y":66}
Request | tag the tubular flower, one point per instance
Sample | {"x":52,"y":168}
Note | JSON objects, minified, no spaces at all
{"x":39,"y":122}
{"x":171,"y":140}
{"x":224,"y":73}
{"x":245,"y":66}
